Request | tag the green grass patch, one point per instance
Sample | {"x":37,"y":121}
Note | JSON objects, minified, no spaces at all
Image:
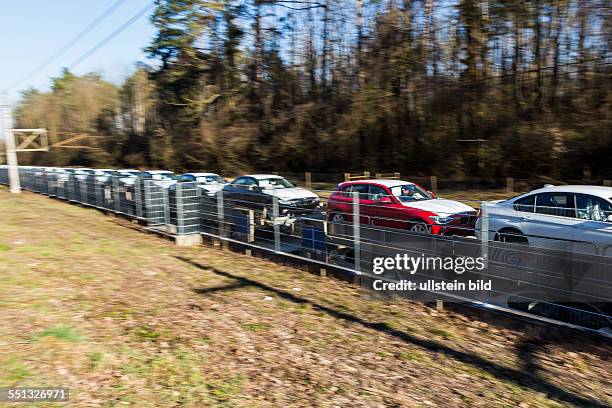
{"x":4,"y":247}
{"x":94,"y":359}
{"x":446,"y":335}
{"x":61,"y":332}
{"x":412,"y":356}
{"x":18,"y":373}
{"x":147,"y":334}
{"x":255,"y":326}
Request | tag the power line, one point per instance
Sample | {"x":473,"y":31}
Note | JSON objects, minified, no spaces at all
{"x":70,"y":43}
{"x":111,"y":36}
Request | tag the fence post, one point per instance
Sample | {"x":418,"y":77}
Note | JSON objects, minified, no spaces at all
{"x":308,"y":179}
{"x":378,"y":175}
{"x":397,"y":175}
{"x":220,"y":214}
{"x":251,"y":229}
{"x":275,"y":214}
{"x":356,"y":232}
{"x":180,"y":226}
{"x":509,"y":185}
{"x":166,"y":204}
{"x":484,"y":234}
{"x":83,"y":185}
{"x":115,"y":195}
{"x":607,"y":183}
{"x":366,"y":174}
{"x":433,"y":181}
{"x":138,"y":197}
{"x":347,"y":176}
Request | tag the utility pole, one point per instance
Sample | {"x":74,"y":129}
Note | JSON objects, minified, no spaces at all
{"x":11,"y":154}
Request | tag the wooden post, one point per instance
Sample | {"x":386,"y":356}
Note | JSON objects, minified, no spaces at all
{"x":439,"y":305}
{"x":323,"y":272}
{"x":275,"y":173}
{"x":308,"y":179}
{"x":251,"y":230}
{"x":396,"y":175}
{"x":366,"y":174}
{"x":607,"y":183}
{"x":378,"y":175}
{"x":347,"y":176}
{"x":509,"y":185}
{"x":433,"y":181}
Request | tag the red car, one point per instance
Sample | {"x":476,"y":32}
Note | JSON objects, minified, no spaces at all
{"x":403,"y":205}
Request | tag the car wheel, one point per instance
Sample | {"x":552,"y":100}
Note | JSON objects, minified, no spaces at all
{"x":511,"y":236}
{"x":419,"y":226}
{"x":338,"y":217}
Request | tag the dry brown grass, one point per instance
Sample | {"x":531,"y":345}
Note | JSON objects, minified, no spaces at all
{"x":123,"y":317}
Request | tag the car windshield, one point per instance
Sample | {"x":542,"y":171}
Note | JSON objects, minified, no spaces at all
{"x":275,"y":183}
{"x":210,"y":179}
{"x":410,"y":192}
{"x":164,"y":176}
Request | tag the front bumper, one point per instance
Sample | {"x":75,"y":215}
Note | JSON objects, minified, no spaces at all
{"x":462,"y":225}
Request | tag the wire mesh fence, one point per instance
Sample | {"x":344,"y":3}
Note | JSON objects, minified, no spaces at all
{"x":369,"y":236}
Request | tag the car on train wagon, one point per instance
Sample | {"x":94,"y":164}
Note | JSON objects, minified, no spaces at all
{"x":401,"y":205}
{"x":161,"y":178}
{"x":208,"y":183}
{"x":257,"y":191}
{"x":568,"y":218}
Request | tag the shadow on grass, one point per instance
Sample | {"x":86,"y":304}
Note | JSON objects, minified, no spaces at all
{"x":526,"y":378}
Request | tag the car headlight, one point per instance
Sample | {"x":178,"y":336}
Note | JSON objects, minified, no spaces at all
{"x":440,"y":220}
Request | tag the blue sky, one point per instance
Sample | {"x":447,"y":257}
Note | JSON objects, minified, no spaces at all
{"x":31,"y":31}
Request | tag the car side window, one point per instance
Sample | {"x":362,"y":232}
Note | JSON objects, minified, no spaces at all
{"x":240,"y":181}
{"x":525,"y":204}
{"x":377,"y":192}
{"x":362,"y":189}
{"x":187,"y":177}
{"x":346,"y":191}
{"x":592,"y":208}
{"x":559,"y":204}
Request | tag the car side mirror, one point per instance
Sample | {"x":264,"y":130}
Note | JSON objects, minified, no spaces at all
{"x":385,"y":200}
{"x":432,"y":194}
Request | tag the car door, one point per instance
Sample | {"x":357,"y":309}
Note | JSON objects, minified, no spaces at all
{"x":340,"y":201}
{"x":363,"y":191}
{"x":234,"y":192}
{"x":388,"y":212}
{"x":593,"y":232}
{"x":551,"y":224}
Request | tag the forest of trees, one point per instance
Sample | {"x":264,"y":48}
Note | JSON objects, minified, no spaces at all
{"x":485,"y":88}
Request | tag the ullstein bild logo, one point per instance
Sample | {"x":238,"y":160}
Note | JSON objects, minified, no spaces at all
{"x":421,"y":263}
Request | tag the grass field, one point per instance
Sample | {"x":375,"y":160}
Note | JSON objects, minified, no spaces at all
{"x":125,"y":318}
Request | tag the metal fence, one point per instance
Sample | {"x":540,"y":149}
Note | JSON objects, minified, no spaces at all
{"x":560,"y":282}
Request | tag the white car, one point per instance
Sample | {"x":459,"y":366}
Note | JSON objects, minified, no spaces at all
{"x":82,"y":174}
{"x":103,"y":175}
{"x":208,"y":183}
{"x":569,"y":218}
{"x":161,"y":178}
{"x":257,"y":191}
